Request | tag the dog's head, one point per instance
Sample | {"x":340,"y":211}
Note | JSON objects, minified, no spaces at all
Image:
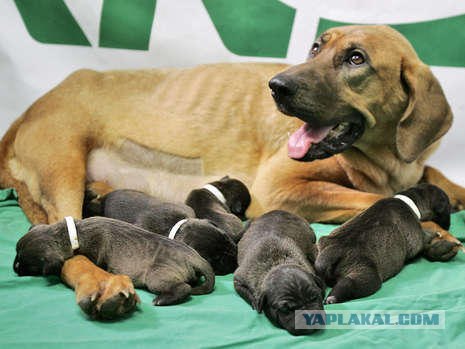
{"x":287,"y":289}
{"x":213,"y":244}
{"x":361,"y":85}
{"x":236,"y":194}
{"x":40,"y":252}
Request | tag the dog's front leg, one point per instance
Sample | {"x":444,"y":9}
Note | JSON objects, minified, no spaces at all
{"x":100,"y":295}
{"x":455,"y":192}
{"x":317,"y":201}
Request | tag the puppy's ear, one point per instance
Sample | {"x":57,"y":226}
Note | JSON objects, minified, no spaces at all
{"x":321,"y":285}
{"x":52,"y":264}
{"x":427,"y":116}
{"x":236,"y":207}
{"x":224,"y":179}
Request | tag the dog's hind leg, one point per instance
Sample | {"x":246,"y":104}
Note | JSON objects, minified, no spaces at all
{"x":170,"y":289}
{"x":362,"y":283}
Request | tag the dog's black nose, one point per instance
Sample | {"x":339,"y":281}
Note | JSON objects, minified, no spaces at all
{"x":16,"y":265}
{"x":282,"y":86}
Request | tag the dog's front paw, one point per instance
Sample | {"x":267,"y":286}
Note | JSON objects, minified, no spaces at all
{"x":441,"y":250}
{"x":109,"y":299}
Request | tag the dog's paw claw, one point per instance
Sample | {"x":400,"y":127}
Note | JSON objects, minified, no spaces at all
{"x":88,"y":304}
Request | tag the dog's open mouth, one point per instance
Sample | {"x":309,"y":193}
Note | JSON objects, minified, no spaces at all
{"x":310,"y":143}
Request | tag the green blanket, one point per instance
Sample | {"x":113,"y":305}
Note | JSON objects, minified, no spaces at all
{"x":37,"y":312}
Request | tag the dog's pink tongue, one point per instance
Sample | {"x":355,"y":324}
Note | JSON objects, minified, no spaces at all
{"x":301,"y":140}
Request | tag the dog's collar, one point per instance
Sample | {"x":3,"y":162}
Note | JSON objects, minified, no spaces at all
{"x":175,"y":228}
{"x":410,"y":203}
{"x":72,"y":232}
{"x":216,"y":192}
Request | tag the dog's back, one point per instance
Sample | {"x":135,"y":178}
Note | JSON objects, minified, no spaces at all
{"x":273,"y":226}
{"x":275,"y":238}
{"x":385,"y":235}
{"x":141,"y":209}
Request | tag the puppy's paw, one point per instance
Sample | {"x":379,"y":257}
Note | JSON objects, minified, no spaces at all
{"x":110,"y":299}
{"x":441,"y":250}
{"x":177,"y":294}
{"x":330,"y":300}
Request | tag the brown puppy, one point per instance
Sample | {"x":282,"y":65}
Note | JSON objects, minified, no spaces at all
{"x":166,"y":131}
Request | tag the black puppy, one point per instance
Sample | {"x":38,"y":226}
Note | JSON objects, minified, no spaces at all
{"x":161,"y":217}
{"x":224,"y":203}
{"x":168,"y":268}
{"x":275,"y":273}
{"x":358,"y":256}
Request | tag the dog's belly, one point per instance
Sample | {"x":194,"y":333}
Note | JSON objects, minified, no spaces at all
{"x":131,"y":166}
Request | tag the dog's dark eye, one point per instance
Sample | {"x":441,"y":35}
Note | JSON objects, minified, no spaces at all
{"x":315,"y":49}
{"x":356,"y":58}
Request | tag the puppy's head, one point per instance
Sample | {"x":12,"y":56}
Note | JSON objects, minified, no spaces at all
{"x":432,"y":202}
{"x":40,"y":252}
{"x":214,"y":245}
{"x":361,"y":85}
{"x":236,"y":194}
{"x":287,"y":289}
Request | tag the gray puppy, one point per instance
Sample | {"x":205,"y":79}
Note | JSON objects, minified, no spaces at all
{"x":275,"y":272}
{"x":224,"y":203}
{"x":157,"y":216}
{"x":358,"y":256}
{"x":168,"y":268}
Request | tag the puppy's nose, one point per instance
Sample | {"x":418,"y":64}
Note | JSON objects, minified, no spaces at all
{"x":16,"y":265}
{"x":282,"y":86}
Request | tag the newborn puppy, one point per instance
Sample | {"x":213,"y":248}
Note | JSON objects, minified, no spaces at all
{"x":168,"y":268}
{"x":358,"y":256}
{"x":224,"y":203}
{"x":176,"y":221}
{"x":275,"y":273}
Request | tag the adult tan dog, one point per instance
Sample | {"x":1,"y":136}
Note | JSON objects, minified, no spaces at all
{"x":363,"y":94}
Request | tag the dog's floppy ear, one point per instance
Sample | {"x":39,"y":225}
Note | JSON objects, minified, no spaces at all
{"x":427,"y":116}
{"x":53,"y":263}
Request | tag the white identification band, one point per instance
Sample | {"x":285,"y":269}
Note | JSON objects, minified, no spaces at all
{"x":175,"y":228}
{"x":215,"y":191}
{"x":410,"y":203}
{"x":72,"y":232}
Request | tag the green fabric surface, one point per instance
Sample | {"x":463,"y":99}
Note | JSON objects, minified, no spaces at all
{"x":38,"y":312}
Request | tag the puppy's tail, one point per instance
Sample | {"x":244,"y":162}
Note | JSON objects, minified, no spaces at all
{"x":203,"y":268}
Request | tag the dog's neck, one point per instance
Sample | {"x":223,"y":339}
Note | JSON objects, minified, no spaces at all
{"x":86,"y":237}
{"x":379,"y":170}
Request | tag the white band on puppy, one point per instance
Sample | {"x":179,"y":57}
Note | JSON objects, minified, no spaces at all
{"x":410,"y":203}
{"x":175,"y":228}
{"x":72,"y":232}
{"x":216,"y":192}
